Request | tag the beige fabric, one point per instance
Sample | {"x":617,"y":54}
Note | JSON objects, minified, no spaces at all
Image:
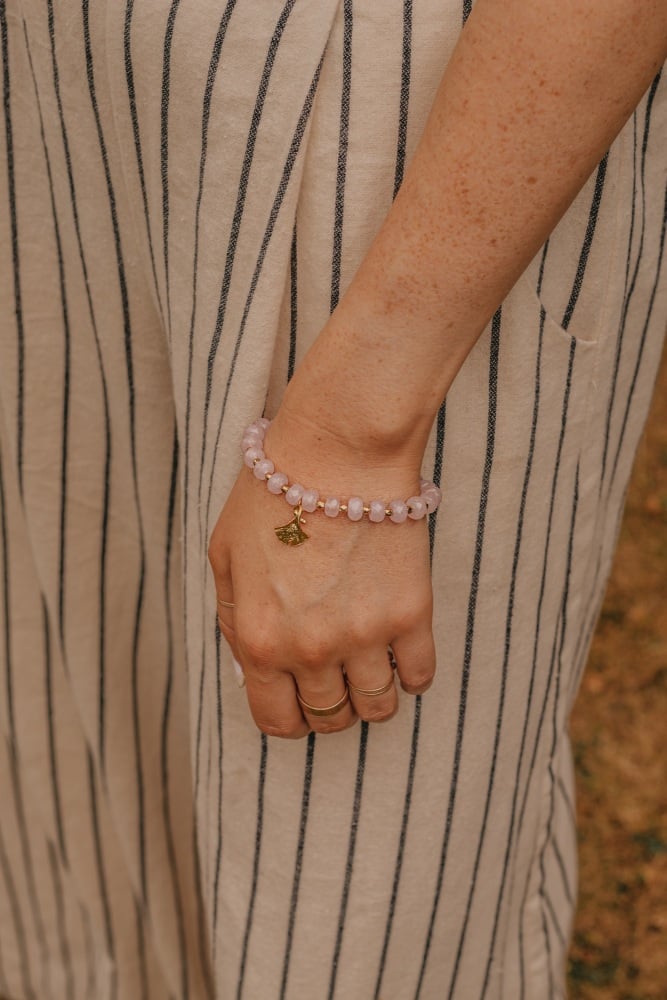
{"x":155,"y":293}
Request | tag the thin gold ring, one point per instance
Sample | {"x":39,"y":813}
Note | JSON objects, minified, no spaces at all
{"x":226,"y":604}
{"x":330,"y":710}
{"x":373,"y":692}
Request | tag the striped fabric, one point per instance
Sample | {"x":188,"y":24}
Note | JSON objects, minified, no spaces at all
{"x":186,"y":189}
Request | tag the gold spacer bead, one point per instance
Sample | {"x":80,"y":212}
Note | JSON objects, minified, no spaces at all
{"x":367,"y":510}
{"x":284,"y":488}
{"x":320,"y":504}
{"x":343,"y":507}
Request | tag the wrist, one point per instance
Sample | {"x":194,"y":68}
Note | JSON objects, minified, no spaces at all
{"x":351,"y":389}
{"x":339,"y":461}
{"x":379,"y":499}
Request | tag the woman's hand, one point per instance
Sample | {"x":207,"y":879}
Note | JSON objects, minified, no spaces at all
{"x":307,"y":617}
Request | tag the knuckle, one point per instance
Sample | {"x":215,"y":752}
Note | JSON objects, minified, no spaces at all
{"x":411,"y":616}
{"x":361,"y":634}
{"x":259,"y":647}
{"x":313,"y":654}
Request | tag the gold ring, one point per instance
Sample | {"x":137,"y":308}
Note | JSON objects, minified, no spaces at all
{"x":374,"y":692}
{"x":331,"y":710}
{"x":226,"y":604}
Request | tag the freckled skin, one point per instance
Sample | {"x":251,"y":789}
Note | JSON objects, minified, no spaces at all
{"x":533,"y":95}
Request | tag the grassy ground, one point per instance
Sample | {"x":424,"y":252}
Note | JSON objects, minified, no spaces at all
{"x":619,"y":732}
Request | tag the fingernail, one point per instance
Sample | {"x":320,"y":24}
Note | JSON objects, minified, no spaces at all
{"x":238,"y":670}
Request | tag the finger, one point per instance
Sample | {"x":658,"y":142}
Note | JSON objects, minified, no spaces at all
{"x":372,"y":687}
{"x":324,"y":689}
{"x":226,"y":615}
{"x":273,"y":704}
{"x":230,"y":636}
{"x":415,"y":659}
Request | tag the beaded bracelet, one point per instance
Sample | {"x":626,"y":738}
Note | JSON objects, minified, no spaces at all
{"x":302,"y":499}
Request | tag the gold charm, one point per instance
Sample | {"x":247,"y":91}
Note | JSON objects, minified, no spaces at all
{"x":291,"y":533}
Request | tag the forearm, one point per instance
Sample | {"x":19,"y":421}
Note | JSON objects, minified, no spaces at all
{"x":534,"y":93}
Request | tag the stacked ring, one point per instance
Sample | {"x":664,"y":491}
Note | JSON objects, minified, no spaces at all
{"x":330,"y":710}
{"x":373,"y":692}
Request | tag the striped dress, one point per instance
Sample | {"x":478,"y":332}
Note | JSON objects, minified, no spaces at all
{"x":186,"y":189}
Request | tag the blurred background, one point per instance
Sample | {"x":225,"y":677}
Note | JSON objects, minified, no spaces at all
{"x":619,"y":737}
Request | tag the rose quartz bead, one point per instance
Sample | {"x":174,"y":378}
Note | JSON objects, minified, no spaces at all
{"x":309,"y":500}
{"x":355,"y":508}
{"x":251,"y":441}
{"x":276,"y":482}
{"x":432,"y":495}
{"x":417,"y":508}
{"x":264,"y":468}
{"x":399,"y":511}
{"x":251,"y":454}
{"x":377,"y":511}
{"x":331,"y":506}
{"x":294,"y":494}
{"x":263,"y":423}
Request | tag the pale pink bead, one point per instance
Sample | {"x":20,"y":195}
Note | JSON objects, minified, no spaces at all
{"x":355,"y":508}
{"x":276,"y":482}
{"x":264,"y":468}
{"x":377,"y":511}
{"x":251,"y":441}
{"x":251,"y":454}
{"x":294,"y":494}
{"x":331,"y":506}
{"x":432,"y":495}
{"x":309,"y":500}
{"x":417,"y":508}
{"x":262,"y":422}
{"x":399,"y":511}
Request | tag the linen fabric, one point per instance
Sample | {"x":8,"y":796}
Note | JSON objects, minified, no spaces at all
{"x":186,"y":189}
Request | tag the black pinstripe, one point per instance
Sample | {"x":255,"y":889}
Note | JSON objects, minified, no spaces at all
{"x":105,"y":390}
{"x":101,"y":876}
{"x":122,"y":283}
{"x":16,"y":276}
{"x":61,"y":924}
{"x":588,"y":240}
{"x":470,"y":629}
{"x":511,"y":838}
{"x":136,"y":135}
{"x":640,"y":351}
{"x":505,"y":663}
{"x":63,"y":486}
{"x":630,"y":289}
{"x":166,"y":711}
{"x":17,"y":918}
{"x":164,"y":149}
{"x":298,"y":861}
{"x":255,"y":866}
{"x":414,"y":746}
{"x":349,"y":862}
{"x":218,"y":849}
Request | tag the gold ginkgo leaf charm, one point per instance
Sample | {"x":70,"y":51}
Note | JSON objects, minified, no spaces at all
{"x":292,"y":533}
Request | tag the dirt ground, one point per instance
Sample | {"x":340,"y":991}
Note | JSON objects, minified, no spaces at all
{"x":619,"y":734}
